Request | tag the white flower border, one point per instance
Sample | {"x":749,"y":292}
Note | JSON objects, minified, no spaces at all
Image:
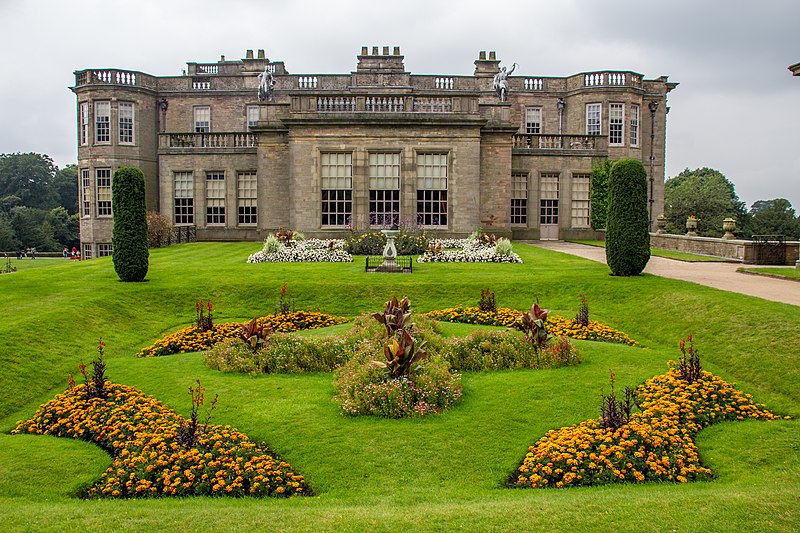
{"x":466,"y":251}
{"x":306,"y":251}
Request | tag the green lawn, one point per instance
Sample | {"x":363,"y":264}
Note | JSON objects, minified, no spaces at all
{"x":669,"y":254}
{"x":437,"y":473}
{"x":783,"y":273}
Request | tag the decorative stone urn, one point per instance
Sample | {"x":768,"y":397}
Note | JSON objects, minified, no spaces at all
{"x":729,"y":225}
{"x":389,"y":251}
{"x":691,"y":226}
{"x":661,"y":223}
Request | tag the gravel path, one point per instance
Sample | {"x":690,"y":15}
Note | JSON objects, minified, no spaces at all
{"x":718,"y":275}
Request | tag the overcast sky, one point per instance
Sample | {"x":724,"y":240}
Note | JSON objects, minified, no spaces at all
{"x":737,"y":108}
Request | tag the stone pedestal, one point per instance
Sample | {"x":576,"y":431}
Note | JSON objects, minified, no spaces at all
{"x":389,"y":252}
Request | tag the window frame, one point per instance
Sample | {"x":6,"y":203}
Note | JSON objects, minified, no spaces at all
{"x":104,"y":208}
{"x":616,"y":124}
{"x":529,"y":125}
{"x":583,"y":203}
{"x":105,"y":249}
{"x":336,"y":189}
{"x":183,"y":204}
{"x":123,"y":128}
{"x":634,"y":125}
{"x":105,"y":137}
{"x":197,"y":121}
{"x":428,"y":195}
{"x":83,"y":132}
{"x":247,"y":206}
{"x":590,"y":124}
{"x":215,"y":204}
{"x":86,"y":192}
{"x":519,"y":201}
{"x":384,"y":188}
{"x":249,"y":111}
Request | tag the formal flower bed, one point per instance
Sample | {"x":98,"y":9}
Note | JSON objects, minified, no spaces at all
{"x":300,"y":251}
{"x":363,"y":388}
{"x":557,"y":325}
{"x":410,"y":241}
{"x":469,"y":251}
{"x":655,"y":444}
{"x":194,"y":339}
{"x":150,"y":459}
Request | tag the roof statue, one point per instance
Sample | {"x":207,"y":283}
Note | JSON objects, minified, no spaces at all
{"x":500,"y":83}
{"x":266,"y":85}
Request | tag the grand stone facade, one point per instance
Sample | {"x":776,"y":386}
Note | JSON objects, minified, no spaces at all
{"x":325,"y":152}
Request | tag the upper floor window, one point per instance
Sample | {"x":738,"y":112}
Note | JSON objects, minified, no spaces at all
{"x":252,"y":115}
{"x":616,"y":124}
{"x":202,"y":119}
{"x":593,"y":119}
{"x":103,"y":187}
{"x":102,"y":122}
{"x":634,"y":129}
{"x":533,"y":120}
{"x":84,"y":133}
{"x":126,"y":122}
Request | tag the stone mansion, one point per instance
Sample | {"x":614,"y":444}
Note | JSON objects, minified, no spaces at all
{"x":237,"y":148}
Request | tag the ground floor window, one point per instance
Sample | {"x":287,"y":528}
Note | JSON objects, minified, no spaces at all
{"x":519,"y":200}
{"x":432,"y":208}
{"x":184,"y":198}
{"x":432,"y":171}
{"x":336,"y":180}
{"x":247,"y":199}
{"x":337,"y":207}
{"x":548,"y":199}
{"x":104,"y":250}
{"x":87,"y":250}
{"x":215,"y":198}
{"x":580,"y":200}
{"x":384,"y":189}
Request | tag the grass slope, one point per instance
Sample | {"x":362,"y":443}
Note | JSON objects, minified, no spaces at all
{"x":435,"y":473}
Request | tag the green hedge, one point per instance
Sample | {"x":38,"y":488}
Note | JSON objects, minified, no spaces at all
{"x":129,"y":239}
{"x":627,"y":231}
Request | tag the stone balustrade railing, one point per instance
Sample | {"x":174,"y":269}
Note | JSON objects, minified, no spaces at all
{"x":208,"y":140}
{"x":381,"y":104}
{"x":114,"y":77}
{"x":560,"y":142}
{"x":207,"y":68}
{"x":611,"y":79}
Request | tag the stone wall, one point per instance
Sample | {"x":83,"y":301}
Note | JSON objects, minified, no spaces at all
{"x":738,"y":250}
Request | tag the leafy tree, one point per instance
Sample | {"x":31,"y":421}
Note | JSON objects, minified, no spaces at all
{"x":129,"y":237}
{"x":773,"y":217}
{"x":65,"y":186}
{"x":705,"y":193}
{"x":8,"y":239}
{"x":599,"y":195}
{"x":28,"y":177}
{"x":627,"y":231}
{"x":33,"y":229}
{"x":65,"y":227}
